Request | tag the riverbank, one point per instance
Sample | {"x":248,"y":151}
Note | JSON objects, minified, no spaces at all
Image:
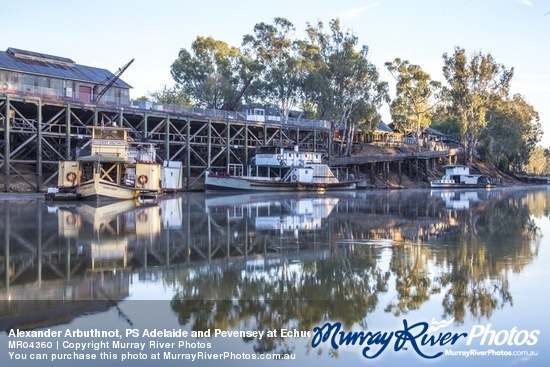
{"x":404,"y":180}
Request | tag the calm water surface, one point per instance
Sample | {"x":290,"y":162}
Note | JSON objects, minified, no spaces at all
{"x":373,"y":261}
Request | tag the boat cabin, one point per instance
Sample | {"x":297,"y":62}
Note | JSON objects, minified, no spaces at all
{"x":456,"y":170}
{"x":110,"y":140}
{"x":280,"y":157}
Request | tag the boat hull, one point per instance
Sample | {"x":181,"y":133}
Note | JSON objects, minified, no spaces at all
{"x":97,"y":189}
{"x":219,"y":182}
{"x":446,"y":185}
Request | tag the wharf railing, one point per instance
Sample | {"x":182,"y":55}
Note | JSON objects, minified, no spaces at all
{"x":185,"y":111}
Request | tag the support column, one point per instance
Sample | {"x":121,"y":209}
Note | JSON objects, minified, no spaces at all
{"x":246,"y":143}
{"x":167,"y":137}
{"x":7,"y":150}
{"x":330,"y":136}
{"x":427,"y":162}
{"x":144,"y":132}
{"x":39,"y":177}
{"x":68,"y":132}
{"x":121,"y":117}
{"x":209,"y":144}
{"x":314,"y":140}
{"x":372,"y":172}
{"x":228,"y":143}
{"x":188,"y":152}
{"x":399,"y":171}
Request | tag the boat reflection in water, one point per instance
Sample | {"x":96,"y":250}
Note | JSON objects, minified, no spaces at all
{"x":279,"y":213}
{"x":292,"y":261}
{"x":460,"y":199}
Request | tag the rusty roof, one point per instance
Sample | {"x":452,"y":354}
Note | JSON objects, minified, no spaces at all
{"x":30,"y":62}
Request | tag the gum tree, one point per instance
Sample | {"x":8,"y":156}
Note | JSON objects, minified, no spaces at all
{"x":210,"y":74}
{"x":341,"y":81}
{"x":273,"y":55}
{"x":475,"y":84}
{"x":413,"y":107}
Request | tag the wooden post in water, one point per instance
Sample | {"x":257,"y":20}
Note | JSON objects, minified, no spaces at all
{"x":39,"y":147}
{"x":7,"y":147}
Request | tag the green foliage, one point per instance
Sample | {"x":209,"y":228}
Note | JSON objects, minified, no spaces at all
{"x":273,"y":55}
{"x":413,"y":107}
{"x":211,"y":73}
{"x":340,"y":80}
{"x":474,"y":86}
{"x":444,"y":123}
{"x":168,"y":95}
{"x":511,"y":135}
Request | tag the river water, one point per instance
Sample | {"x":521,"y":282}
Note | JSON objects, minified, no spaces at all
{"x":379,"y":277}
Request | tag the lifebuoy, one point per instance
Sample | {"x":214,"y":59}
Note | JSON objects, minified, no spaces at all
{"x":71,"y":220}
{"x":143,"y":179}
{"x":71,"y":176}
{"x":282,"y":163}
{"x":294,"y":177}
{"x":279,"y":157}
{"x":5,"y":86}
{"x":142,"y":217}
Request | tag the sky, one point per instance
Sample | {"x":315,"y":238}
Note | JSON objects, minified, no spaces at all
{"x":109,"y":33}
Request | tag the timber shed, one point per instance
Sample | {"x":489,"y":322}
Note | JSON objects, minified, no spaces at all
{"x":59,"y":78}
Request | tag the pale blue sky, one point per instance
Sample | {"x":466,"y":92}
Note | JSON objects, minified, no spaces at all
{"x":109,"y":33}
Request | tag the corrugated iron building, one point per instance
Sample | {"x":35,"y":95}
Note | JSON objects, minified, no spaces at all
{"x":37,"y":74}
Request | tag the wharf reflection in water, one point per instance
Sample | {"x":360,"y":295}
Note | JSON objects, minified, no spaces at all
{"x":294,"y":260}
{"x":80,"y":269}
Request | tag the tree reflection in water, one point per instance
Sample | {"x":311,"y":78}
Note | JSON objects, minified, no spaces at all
{"x":291,"y":296}
{"x":464,"y":254}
